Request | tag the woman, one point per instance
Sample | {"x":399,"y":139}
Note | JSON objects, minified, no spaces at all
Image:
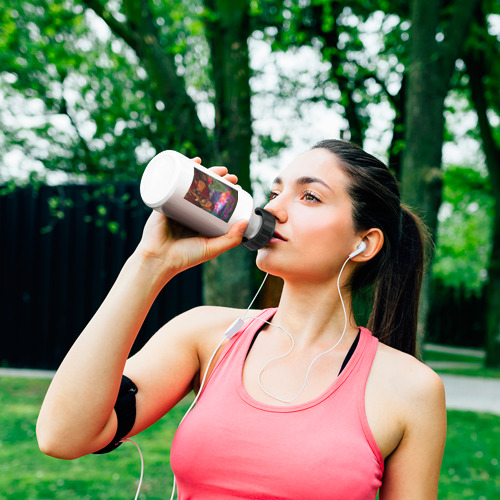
{"x":340,"y":416}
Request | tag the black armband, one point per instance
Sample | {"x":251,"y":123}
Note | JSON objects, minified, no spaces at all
{"x":125,"y":412}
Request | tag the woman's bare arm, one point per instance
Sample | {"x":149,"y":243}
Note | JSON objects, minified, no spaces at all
{"x":412,"y":470}
{"x":77,"y":414}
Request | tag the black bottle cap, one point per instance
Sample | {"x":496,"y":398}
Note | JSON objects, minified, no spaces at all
{"x":265,"y":232}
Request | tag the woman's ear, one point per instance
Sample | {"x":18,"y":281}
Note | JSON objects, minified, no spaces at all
{"x":374,"y":240}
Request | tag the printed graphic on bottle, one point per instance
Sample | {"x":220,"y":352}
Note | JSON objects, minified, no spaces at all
{"x":212,"y":195}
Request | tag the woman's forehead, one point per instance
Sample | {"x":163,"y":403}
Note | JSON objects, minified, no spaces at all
{"x":316,"y":163}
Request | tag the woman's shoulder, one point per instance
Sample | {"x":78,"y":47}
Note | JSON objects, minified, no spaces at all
{"x":216,"y":315}
{"x":211,"y":313}
{"x":208,"y":321}
{"x":207,"y":326}
{"x":409,"y":379}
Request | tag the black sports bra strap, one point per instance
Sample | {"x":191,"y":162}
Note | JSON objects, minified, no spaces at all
{"x":346,"y":359}
{"x":351,"y":352}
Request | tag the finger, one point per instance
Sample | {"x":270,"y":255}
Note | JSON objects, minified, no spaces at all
{"x":219,"y":170}
{"x":215,"y":246}
{"x":223,"y":172}
{"x":154,"y":218}
{"x":197,"y":159}
{"x":233,"y":179}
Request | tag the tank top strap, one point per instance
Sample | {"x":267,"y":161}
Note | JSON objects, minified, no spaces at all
{"x":243,"y":338}
{"x":363,"y":368}
{"x":368,"y":344}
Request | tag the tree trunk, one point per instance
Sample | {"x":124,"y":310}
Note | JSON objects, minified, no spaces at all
{"x":477,"y":68}
{"x":396,"y":149}
{"x":431,"y":66}
{"x":421,"y":179}
{"x":493,"y":295}
{"x":228,"y":279}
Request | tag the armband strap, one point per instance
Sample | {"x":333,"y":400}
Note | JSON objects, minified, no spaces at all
{"x":125,"y":413}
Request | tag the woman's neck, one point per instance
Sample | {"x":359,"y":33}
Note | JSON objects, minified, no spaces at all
{"x":314,"y":313}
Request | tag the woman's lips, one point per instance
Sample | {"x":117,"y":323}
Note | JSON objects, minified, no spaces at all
{"x":277,"y":237}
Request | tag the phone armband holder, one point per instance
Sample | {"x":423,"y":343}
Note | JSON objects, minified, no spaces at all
{"x":125,"y":412}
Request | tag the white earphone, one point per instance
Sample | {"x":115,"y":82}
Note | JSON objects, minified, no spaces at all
{"x":361,"y":248}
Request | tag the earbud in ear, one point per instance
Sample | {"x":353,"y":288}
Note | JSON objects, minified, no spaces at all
{"x":361,"y":248}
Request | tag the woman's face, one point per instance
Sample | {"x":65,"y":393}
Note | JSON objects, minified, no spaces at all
{"x":314,"y":228}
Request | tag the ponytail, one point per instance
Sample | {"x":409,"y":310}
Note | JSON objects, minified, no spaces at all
{"x":396,"y":272}
{"x":394,"y":315}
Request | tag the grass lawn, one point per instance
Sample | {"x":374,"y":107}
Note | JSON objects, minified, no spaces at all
{"x":470,"y":468}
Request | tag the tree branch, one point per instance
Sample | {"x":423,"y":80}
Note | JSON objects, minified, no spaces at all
{"x":141,"y":33}
{"x":456,"y":33}
{"x":63,"y":109}
{"x":118,"y":28}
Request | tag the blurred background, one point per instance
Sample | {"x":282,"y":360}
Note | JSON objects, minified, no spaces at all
{"x":91,"y":90}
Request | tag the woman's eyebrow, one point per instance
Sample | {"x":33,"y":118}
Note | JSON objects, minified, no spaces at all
{"x":311,"y":180}
{"x":304,"y":180}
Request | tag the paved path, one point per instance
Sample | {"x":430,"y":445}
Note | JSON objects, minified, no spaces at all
{"x":462,"y":392}
{"x":26,"y":373}
{"x":472,"y":393}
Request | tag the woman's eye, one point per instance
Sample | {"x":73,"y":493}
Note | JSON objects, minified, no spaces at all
{"x":310,"y":197}
{"x":272,"y":195}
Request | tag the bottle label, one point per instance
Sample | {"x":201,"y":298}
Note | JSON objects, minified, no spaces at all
{"x":212,"y":195}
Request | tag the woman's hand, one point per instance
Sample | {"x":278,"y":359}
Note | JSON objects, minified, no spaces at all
{"x":176,"y":248}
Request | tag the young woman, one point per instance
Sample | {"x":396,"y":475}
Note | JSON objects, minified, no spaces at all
{"x":342,"y":414}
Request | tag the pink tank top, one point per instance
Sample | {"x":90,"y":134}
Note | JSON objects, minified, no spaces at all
{"x":233,"y":447}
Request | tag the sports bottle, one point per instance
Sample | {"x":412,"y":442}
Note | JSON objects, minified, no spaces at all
{"x":192,"y":195}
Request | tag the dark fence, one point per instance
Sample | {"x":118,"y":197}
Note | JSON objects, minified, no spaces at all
{"x":61,"y":249}
{"x":457,"y":318}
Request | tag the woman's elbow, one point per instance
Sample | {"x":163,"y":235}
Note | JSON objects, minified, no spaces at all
{"x":54,"y":444}
{"x":54,"y":449}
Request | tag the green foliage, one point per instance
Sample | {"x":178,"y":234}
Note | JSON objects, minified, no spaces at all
{"x":268,"y":147}
{"x":364,"y":43}
{"x":89,"y":105}
{"x":77,"y":98}
{"x":464,"y":235}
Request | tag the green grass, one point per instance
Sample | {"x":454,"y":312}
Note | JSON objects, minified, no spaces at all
{"x":27,"y":474}
{"x":470,"y":467}
{"x":471,"y":463}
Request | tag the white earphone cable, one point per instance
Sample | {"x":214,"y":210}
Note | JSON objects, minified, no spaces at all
{"x":197,"y":397}
{"x":293,"y":343}
{"x":142,"y":466}
{"x":208,"y":367}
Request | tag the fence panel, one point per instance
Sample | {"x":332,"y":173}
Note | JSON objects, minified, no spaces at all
{"x":61,"y":249}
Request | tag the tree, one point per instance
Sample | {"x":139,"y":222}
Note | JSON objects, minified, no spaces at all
{"x":435,"y":45}
{"x":96,"y":110}
{"x":165,"y":60}
{"x":135,"y":91}
{"x":437,"y":34}
{"x":228,"y":30}
{"x":483,"y":70}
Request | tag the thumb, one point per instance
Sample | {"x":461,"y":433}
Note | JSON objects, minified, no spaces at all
{"x":231,"y":239}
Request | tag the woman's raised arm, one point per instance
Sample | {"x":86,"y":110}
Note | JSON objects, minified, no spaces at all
{"x":77,"y":414}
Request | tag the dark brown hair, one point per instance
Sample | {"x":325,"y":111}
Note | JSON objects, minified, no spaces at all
{"x":396,"y":271}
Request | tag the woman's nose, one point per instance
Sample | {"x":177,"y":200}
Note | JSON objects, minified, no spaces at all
{"x":276,"y":206}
